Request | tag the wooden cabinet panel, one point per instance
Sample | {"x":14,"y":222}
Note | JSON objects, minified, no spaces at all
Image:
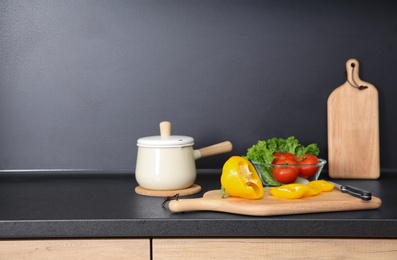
{"x":75,"y":249}
{"x":273,"y":248}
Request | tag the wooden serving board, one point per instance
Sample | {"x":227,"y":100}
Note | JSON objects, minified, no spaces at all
{"x":353,"y":128}
{"x":271,"y":206}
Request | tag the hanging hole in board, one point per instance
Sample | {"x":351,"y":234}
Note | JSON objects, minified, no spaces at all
{"x":354,"y":84}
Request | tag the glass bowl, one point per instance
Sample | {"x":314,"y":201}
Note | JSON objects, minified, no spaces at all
{"x":265,"y":171}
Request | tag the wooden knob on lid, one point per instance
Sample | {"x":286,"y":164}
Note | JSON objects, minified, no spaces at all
{"x":165,"y":129}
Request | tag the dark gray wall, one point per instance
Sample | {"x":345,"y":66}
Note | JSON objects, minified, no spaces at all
{"x":82,"y":80}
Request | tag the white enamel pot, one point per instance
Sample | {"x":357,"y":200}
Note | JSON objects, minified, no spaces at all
{"x":167,"y":162}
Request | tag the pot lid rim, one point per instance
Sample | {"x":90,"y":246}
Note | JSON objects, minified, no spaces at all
{"x":169,"y":141}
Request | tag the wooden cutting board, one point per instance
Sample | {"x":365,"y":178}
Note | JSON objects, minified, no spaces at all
{"x":271,"y":206}
{"x":353,"y":128}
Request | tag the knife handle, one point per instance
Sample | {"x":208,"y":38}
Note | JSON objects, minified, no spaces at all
{"x":356,"y":192}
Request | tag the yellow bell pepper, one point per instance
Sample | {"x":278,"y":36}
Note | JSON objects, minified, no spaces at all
{"x":322,"y":185}
{"x":289,"y":191}
{"x":240,"y":179}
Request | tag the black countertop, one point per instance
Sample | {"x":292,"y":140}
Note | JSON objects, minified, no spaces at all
{"x":71,"y":205}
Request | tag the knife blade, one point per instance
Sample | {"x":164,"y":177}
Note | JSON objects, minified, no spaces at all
{"x":354,"y":191}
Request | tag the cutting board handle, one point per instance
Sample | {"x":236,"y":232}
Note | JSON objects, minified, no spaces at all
{"x":352,"y":71}
{"x":186,"y":205}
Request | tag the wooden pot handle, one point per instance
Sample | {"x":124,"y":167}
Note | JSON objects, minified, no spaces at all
{"x":219,"y":148}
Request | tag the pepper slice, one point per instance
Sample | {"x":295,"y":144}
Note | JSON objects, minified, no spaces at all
{"x":312,"y":191}
{"x":240,"y":179}
{"x":322,"y":185}
{"x":289,"y":191}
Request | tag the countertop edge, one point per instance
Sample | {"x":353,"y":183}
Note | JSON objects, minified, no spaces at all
{"x":161,"y":228}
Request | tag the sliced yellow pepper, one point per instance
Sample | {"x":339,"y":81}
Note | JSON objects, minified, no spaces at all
{"x":289,"y":191}
{"x":312,"y":191}
{"x":322,"y":185}
{"x":240,"y":179}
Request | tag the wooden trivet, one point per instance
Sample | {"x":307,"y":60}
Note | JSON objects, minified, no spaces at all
{"x":165,"y":193}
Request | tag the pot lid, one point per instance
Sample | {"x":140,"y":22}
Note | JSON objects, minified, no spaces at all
{"x":166,"y":141}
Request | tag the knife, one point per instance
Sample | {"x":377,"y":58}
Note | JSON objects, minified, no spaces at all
{"x":354,"y":191}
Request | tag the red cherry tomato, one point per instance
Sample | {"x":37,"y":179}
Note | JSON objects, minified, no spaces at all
{"x":283,"y":156}
{"x":285,"y":171}
{"x":307,"y":171}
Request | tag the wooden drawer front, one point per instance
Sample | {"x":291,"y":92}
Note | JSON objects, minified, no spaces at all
{"x":273,"y":248}
{"x":75,"y":249}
